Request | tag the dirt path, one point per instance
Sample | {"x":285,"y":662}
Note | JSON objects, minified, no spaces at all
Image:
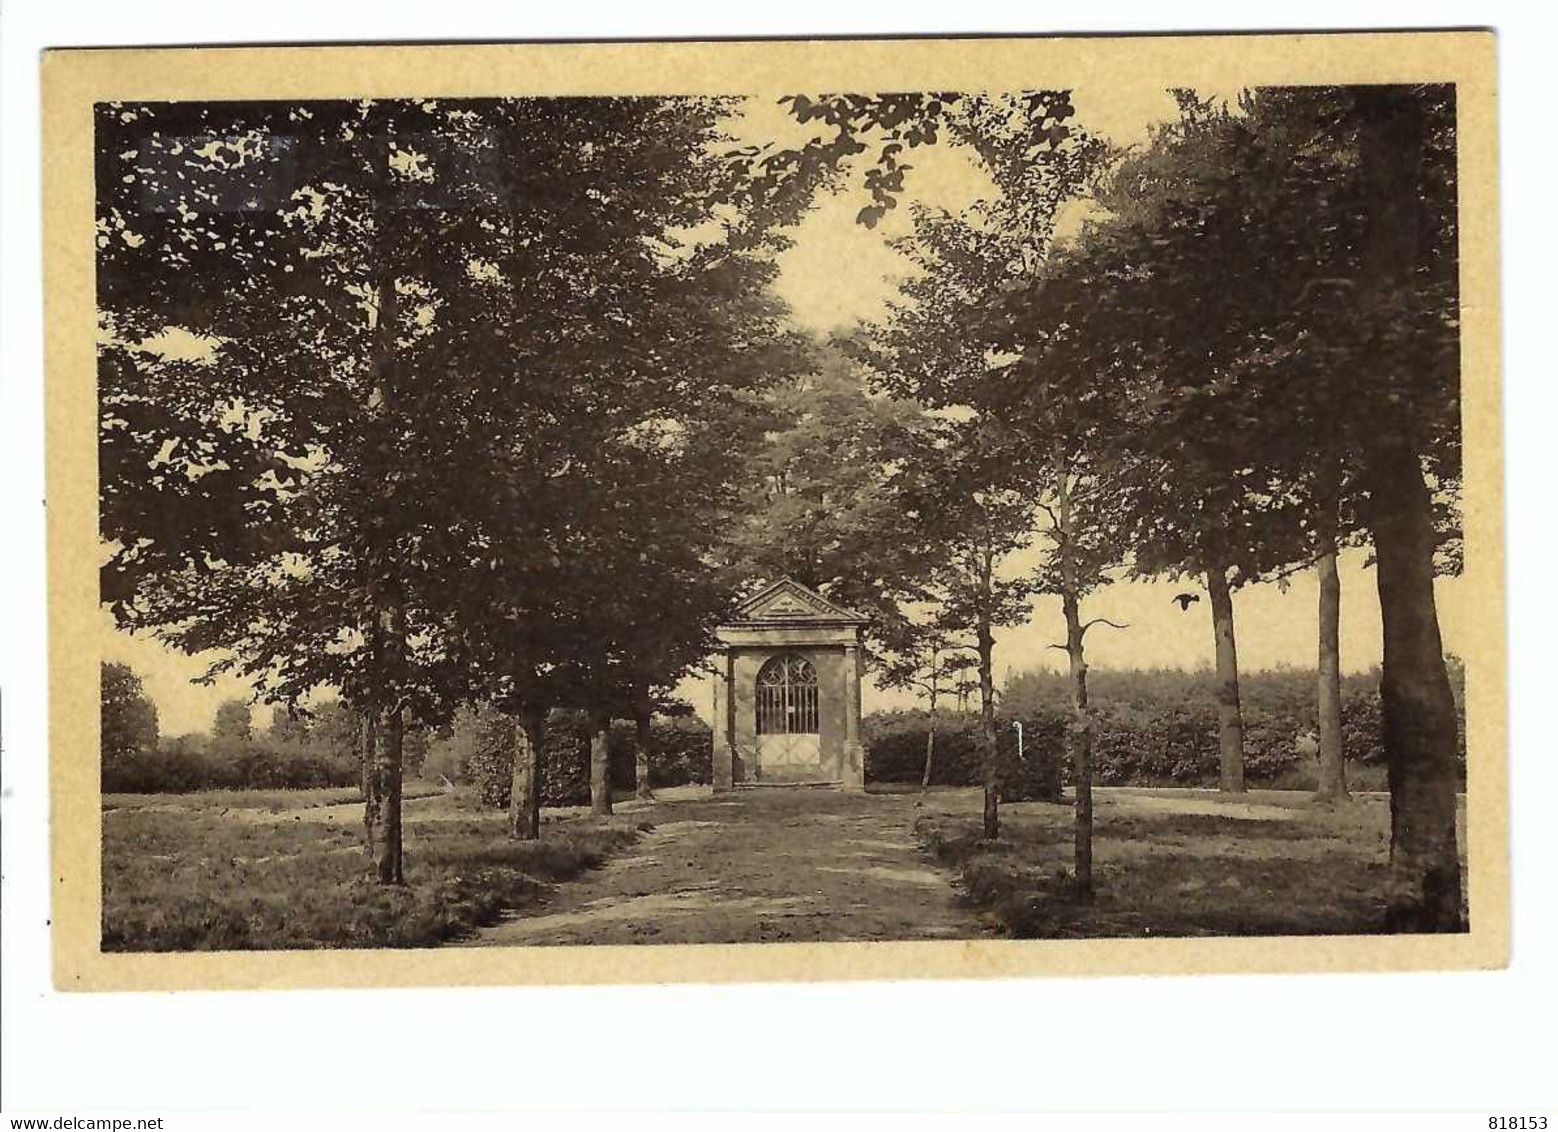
{"x":769,"y":865}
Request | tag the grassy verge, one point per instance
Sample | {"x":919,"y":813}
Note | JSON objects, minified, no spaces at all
{"x":197,"y":880}
{"x":1160,"y":873}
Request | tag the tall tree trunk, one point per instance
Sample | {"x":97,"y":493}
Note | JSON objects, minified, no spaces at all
{"x":1424,"y":892}
{"x":1418,"y":706}
{"x":1080,"y":734}
{"x":600,"y":761}
{"x":930,"y":741}
{"x":1332,"y":779}
{"x":643,"y":719}
{"x":987,"y":735}
{"x":1080,"y":731}
{"x":390,"y":628}
{"x":987,"y":732}
{"x":388,"y":762}
{"x":525,"y":789}
{"x":1333,"y":761}
{"x":1230,"y":723}
{"x":391,"y":861}
{"x":370,"y":791}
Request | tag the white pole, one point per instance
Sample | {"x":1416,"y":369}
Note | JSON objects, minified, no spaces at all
{"x":1018,"y":722}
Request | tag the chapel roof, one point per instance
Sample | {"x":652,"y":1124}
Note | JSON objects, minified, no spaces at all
{"x":787,"y":602}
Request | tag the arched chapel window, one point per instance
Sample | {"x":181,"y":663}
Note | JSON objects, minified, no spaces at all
{"x":787,"y":696}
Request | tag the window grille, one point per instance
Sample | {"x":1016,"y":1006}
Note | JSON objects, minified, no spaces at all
{"x":787,"y":697}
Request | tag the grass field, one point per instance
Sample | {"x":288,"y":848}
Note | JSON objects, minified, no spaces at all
{"x":244,"y":870}
{"x":1174,"y":863}
{"x":286,"y":869}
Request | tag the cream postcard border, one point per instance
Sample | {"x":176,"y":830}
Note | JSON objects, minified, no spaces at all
{"x":73,"y":80}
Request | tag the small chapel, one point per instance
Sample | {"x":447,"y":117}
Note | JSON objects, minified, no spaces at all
{"x":787,"y":692}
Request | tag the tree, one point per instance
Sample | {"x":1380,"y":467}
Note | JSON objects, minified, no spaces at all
{"x":1333,"y":383}
{"x":1373,"y":416}
{"x":283,"y":495}
{"x":963,"y":517}
{"x":818,"y":505}
{"x":1247,"y":386}
{"x":600,"y":581}
{"x":288,"y":731}
{"x":129,"y":717}
{"x":422,"y":300}
{"x":1407,"y":280}
{"x":1068,"y":398}
{"x":233,"y":726}
{"x":1171,"y":241}
{"x":1050,"y":394}
{"x":968,"y":262}
{"x":336,"y":731}
{"x":1016,"y":361}
{"x":924,"y":658}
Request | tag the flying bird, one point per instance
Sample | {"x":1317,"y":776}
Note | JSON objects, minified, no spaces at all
{"x":1185,"y":600}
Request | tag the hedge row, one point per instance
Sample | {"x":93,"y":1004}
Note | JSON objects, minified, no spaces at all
{"x":176,"y":771}
{"x":1153,"y":728}
{"x":681,"y":751}
{"x":895,"y":752}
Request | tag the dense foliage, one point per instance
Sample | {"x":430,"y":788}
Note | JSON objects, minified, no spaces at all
{"x":1262,"y":305}
{"x":431,"y":402}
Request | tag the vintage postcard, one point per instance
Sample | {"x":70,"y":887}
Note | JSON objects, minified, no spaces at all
{"x":782,"y":510}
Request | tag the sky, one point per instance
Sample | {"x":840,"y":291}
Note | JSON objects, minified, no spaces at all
{"x":838,"y":272}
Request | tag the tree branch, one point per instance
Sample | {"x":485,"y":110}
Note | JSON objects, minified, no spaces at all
{"x":1102,"y":621}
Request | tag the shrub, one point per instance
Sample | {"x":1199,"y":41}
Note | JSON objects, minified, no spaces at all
{"x":178,"y":770}
{"x":681,"y":753}
{"x":895,"y":752}
{"x":565,"y":761}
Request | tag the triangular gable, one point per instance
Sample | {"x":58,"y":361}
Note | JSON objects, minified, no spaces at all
{"x":788,"y":600}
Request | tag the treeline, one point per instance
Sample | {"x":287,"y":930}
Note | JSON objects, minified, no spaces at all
{"x":322,"y":746}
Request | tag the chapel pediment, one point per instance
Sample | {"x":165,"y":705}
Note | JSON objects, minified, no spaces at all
{"x":789,"y":601}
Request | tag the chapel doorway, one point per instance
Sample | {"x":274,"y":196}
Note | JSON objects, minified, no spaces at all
{"x":789,"y":718}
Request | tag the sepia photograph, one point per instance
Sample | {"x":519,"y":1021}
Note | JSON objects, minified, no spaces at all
{"x":1056,"y":511}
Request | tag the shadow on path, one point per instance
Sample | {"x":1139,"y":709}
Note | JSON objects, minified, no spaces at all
{"x":762,"y":866}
